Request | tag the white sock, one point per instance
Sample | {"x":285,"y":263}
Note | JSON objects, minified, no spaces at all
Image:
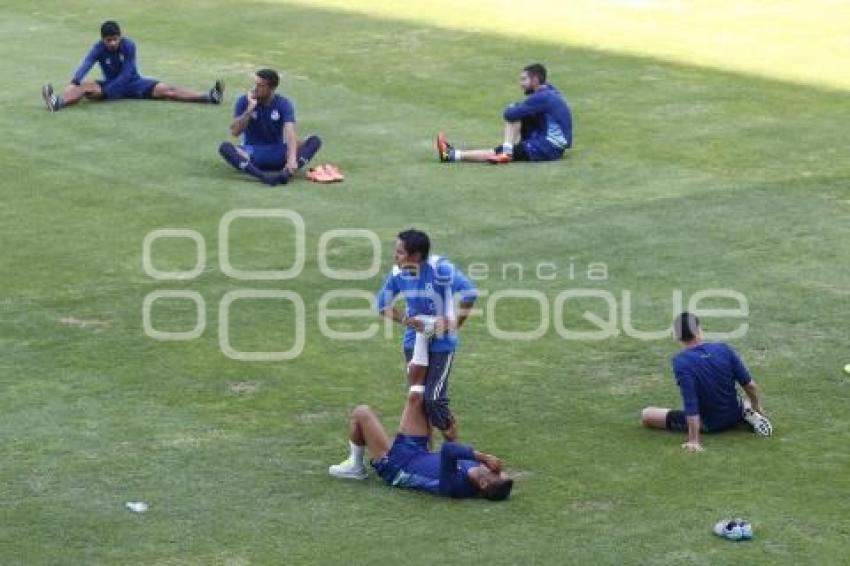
{"x":357,"y":452}
{"x":457,"y":155}
{"x":508,"y":148}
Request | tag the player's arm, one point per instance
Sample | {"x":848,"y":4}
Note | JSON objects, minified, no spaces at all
{"x":488,"y":460}
{"x":242,"y":114}
{"x":693,"y":442}
{"x":394,"y":313}
{"x":86,"y":65}
{"x":450,"y":453}
{"x":291,"y":139}
{"x":754,"y":395}
{"x":743,"y":377}
{"x":691,"y":408}
{"x":531,"y":106}
{"x":387,"y":308}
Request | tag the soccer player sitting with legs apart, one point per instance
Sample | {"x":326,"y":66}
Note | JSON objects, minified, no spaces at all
{"x":456,"y":470}
{"x":706,"y":374}
{"x":116,"y":56}
{"x":270,"y":149}
{"x":539,"y":128}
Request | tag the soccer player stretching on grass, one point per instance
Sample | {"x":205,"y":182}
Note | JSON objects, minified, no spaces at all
{"x":117,"y":58}
{"x":706,"y":374}
{"x":539,"y":128}
{"x":428,"y":284}
{"x":455,"y":471}
{"x":270,"y":150}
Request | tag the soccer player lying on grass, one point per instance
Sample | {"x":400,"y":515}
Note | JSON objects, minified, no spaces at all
{"x":270,"y":150}
{"x":539,"y":128}
{"x":428,"y":284}
{"x":455,"y":471}
{"x":706,"y":374}
{"x":117,"y":58}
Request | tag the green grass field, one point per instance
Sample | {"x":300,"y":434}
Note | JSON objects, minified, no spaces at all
{"x":685,"y":176}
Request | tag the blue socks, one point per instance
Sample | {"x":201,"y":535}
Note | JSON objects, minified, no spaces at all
{"x":230,"y":154}
{"x":308,"y":150}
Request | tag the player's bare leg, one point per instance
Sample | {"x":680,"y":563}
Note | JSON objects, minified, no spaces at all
{"x":165,"y":91}
{"x":654,"y":417}
{"x":71,"y":95}
{"x":365,"y":432}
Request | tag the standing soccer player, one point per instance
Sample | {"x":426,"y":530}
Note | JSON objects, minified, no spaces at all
{"x":706,"y":374}
{"x":116,"y":56}
{"x":540,"y":128}
{"x":429,"y":284}
{"x":270,"y":149}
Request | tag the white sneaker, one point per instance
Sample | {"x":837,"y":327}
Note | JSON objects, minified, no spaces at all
{"x":761,"y":426}
{"x":348,"y":470}
{"x":730,"y":530}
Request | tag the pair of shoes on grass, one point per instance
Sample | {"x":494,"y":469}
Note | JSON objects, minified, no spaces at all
{"x":734,"y":529}
{"x":326,"y":173}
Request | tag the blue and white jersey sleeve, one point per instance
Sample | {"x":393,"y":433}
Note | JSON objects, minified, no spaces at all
{"x":388,"y":292}
{"x":452,"y":279}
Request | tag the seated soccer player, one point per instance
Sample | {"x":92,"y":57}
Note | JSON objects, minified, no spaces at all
{"x":539,"y":128}
{"x":706,"y":374}
{"x":455,"y":471}
{"x":270,"y":150}
{"x":117,"y":58}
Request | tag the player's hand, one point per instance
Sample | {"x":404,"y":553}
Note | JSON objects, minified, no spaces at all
{"x":252,"y":101}
{"x":415,"y":324}
{"x":492,"y":463}
{"x":291,"y":166}
{"x":692,"y":446}
{"x":443,"y":325}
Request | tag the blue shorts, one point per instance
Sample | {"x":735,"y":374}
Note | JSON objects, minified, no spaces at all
{"x":678,"y":421}
{"x":139,"y":88}
{"x":437,"y":388}
{"x":404,"y":449}
{"x":267,"y":157}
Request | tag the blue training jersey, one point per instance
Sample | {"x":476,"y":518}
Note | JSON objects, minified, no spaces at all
{"x":118,"y":67}
{"x":430,"y":292}
{"x":545,"y":114}
{"x":706,"y":375}
{"x":442,"y":473}
{"x":266,"y":125}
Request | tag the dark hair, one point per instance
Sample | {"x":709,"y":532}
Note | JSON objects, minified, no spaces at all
{"x":685,"y":327}
{"x":270,"y":76}
{"x":498,"y":490}
{"x":537,"y":70}
{"x":415,"y":241}
{"x":109,"y":28}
